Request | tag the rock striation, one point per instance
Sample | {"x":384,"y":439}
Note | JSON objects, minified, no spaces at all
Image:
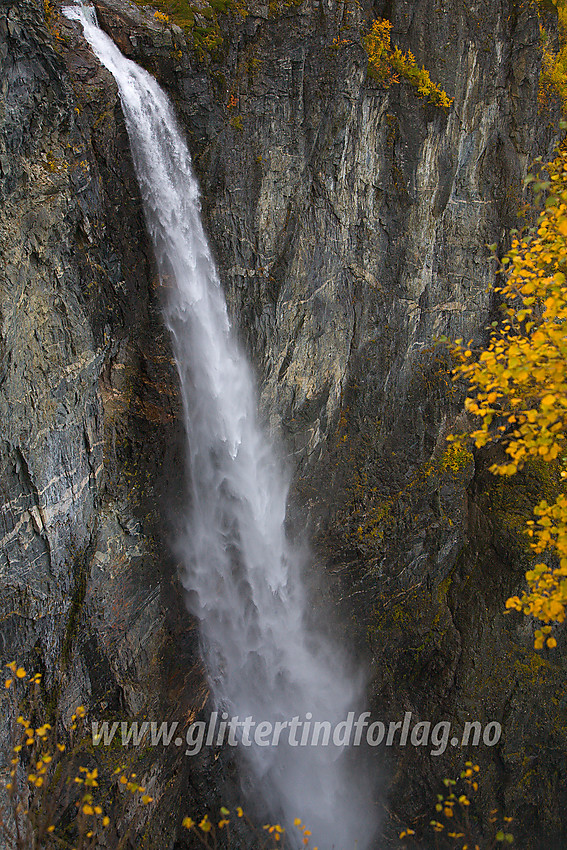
{"x":350,"y":225}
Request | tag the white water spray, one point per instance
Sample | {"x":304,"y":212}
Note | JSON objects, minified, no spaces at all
{"x":242,"y":577}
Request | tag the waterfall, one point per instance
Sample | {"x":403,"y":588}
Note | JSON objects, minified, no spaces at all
{"x":241,"y":575}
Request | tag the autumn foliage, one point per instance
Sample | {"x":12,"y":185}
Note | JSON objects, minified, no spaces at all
{"x":553,"y":76}
{"x":453,"y":821}
{"x":389,"y":65}
{"x":49,"y":800}
{"x":518,"y":387}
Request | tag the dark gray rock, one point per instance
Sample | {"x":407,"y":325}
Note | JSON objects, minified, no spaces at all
{"x":350,"y":225}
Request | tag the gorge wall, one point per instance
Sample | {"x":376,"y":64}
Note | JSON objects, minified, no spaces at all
{"x":350,"y":226}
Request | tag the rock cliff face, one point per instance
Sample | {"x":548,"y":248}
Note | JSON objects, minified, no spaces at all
{"x":90,"y":435}
{"x":350,"y":226}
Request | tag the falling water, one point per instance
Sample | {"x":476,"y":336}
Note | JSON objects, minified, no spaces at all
{"x":241,"y":575}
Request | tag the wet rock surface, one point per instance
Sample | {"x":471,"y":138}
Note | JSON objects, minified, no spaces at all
{"x":350,"y":225}
{"x":90,"y":438}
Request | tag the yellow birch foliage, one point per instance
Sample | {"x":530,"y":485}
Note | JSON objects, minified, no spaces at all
{"x":388,"y":64}
{"x":553,"y":76}
{"x":518,"y":387}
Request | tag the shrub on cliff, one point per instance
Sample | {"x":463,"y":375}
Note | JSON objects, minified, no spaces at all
{"x":389,"y":65}
{"x":49,"y":798}
{"x":553,"y":76}
{"x":518,"y":387}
